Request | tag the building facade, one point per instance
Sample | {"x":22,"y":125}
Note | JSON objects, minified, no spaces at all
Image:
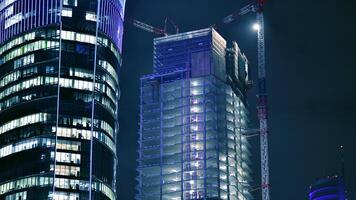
{"x":193,"y":117}
{"x":329,"y":188}
{"x":59,"y":91}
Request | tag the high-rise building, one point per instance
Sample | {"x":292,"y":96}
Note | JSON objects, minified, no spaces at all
{"x":59,"y":91}
{"x":328,"y":188}
{"x":193,"y":120}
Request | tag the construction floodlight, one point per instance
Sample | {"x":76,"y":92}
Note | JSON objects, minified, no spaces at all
{"x":256,"y":26}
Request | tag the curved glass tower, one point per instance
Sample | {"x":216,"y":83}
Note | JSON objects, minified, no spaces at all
{"x":59,"y":89}
{"x":328,"y":188}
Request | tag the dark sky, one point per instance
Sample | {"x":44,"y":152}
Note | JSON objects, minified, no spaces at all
{"x":311,"y":50}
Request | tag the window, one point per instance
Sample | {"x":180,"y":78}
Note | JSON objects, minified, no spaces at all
{"x":68,"y":157}
{"x":68,"y":145}
{"x":67,"y":170}
{"x":21,"y":86}
{"x":50,"y":70}
{"x":5,"y":3}
{"x":85,"y":134}
{"x":24,"y":145}
{"x":29,"y":71}
{"x":68,"y":35}
{"x":67,"y":12}
{"x":10,"y":78}
{"x":65,"y":196}
{"x":24,"y":61}
{"x":23,"y":121}
{"x":25,"y":183}
{"x":13,"y":20}
{"x":70,"y":3}
{"x":34,"y":46}
{"x":17,"y":196}
{"x":90,"y":16}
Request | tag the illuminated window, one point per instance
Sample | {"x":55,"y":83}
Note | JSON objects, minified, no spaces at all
{"x":109,"y":68}
{"x":67,"y":170}
{"x":34,"y":46}
{"x":9,"y":11}
{"x":13,"y":20}
{"x":70,"y":2}
{"x":23,"y":121}
{"x":85,"y":134}
{"x":90,"y":16}
{"x":68,"y":157}
{"x":21,"y":86}
{"x":24,"y":145}
{"x":17,"y":196}
{"x":64,"y":183}
{"x":9,"y":78}
{"x":5,"y":3}
{"x":65,"y":196}
{"x":68,"y":35}
{"x":17,"y":41}
{"x":194,"y":109}
{"x":67,"y":12}
{"x":68,"y":145}
{"x":25,"y":183}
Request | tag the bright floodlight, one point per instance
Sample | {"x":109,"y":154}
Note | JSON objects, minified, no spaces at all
{"x":256,"y":27}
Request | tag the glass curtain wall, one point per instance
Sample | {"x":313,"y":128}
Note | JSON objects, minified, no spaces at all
{"x":191,"y":140}
{"x":59,"y":88}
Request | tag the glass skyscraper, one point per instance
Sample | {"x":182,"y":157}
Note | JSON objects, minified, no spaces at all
{"x":193,"y":120}
{"x":59,"y":91}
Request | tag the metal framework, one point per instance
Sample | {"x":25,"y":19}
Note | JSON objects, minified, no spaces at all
{"x":262,"y":108}
{"x":155,"y":30}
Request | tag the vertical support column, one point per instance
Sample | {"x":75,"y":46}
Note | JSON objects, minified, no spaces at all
{"x":161,"y":137}
{"x":227,"y":148}
{"x":182,"y":134}
{"x":93,"y":100}
{"x":140,"y":136}
{"x":204,"y":114}
{"x":240,"y":183}
{"x":58,"y":97}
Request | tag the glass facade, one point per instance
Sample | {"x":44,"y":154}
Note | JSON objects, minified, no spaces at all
{"x":59,"y":92}
{"x":193,"y":117}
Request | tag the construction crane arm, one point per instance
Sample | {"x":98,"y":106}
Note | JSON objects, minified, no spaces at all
{"x":251,"y":7}
{"x":146,"y":27}
{"x":152,"y":29}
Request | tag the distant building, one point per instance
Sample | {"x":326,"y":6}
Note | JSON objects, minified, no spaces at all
{"x":329,"y":188}
{"x":59,"y":93}
{"x":193,"y":117}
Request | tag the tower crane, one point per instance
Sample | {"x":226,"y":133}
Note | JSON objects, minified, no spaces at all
{"x":152,"y":29}
{"x":262,"y":108}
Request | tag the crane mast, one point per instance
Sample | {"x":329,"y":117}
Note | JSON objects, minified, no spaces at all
{"x":262,"y":108}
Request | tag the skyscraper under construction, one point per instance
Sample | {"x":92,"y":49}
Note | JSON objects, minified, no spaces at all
{"x":193,"y":120}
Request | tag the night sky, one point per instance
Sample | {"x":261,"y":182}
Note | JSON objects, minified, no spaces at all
{"x":310,"y":47}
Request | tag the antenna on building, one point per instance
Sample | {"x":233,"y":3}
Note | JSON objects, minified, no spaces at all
{"x":342,"y":162}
